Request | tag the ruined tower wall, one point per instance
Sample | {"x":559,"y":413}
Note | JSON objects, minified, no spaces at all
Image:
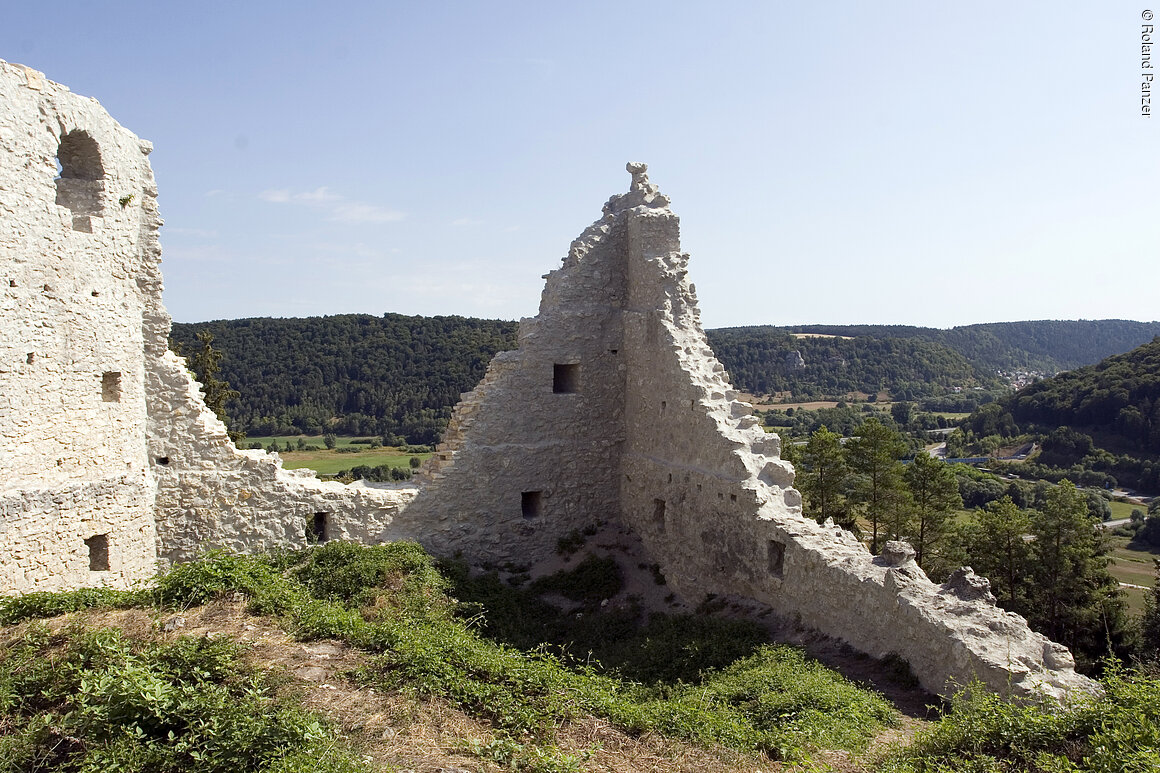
{"x":688,"y":469}
{"x":533,"y":452}
{"x":109,"y":459}
{"x":72,"y":397}
{"x":705,"y":488}
{"x":212,"y":495}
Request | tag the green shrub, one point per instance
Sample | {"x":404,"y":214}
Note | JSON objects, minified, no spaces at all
{"x":593,"y":580}
{"x":1117,"y":732}
{"x":91,"y":700}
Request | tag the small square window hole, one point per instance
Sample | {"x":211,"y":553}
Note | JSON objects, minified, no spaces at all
{"x":565,"y":378}
{"x":98,"y":546}
{"x":531,"y":504}
{"x":111,"y":387}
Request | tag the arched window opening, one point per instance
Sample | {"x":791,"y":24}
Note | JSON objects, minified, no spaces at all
{"x":81,"y":182}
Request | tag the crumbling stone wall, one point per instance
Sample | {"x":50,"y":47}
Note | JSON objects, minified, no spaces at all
{"x":109,"y":460}
{"x":75,"y":489}
{"x":612,"y":409}
{"x":689,"y":470}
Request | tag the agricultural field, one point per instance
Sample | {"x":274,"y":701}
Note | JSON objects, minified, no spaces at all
{"x":348,"y":452}
{"x":1133,"y":565}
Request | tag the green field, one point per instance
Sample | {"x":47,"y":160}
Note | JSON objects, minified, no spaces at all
{"x":1133,"y":566}
{"x":1124,"y":509}
{"x":330,"y":461}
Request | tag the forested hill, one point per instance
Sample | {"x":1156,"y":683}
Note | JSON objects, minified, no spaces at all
{"x":1117,"y":398}
{"x":765,"y":360}
{"x":1103,"y":417}
{"x":1044,"y":345}
{"x":351,"y":374}
{"x":400,"y":376}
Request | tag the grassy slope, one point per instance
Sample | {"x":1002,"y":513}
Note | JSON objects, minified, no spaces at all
{"x":527,"y":709}
{"x":408,"y":684}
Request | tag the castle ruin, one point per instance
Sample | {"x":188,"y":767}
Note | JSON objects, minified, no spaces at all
{"x":613,"y":408}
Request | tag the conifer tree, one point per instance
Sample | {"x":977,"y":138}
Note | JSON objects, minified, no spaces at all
{"x":874,"y":458}
{"x":934,"y":495}
{"x":823,"y":479}
{"x":205,"y":362}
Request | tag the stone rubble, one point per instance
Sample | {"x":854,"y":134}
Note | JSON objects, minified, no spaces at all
{"x":613,"y":409}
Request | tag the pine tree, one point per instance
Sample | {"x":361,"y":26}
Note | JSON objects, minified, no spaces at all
{"x":205,"y":362}
{"x":873,"y":456}
{"x":934,"y":494}
{"x":823,"y":479}
{"x":1075,"y":600}
{"x":996,"y":547}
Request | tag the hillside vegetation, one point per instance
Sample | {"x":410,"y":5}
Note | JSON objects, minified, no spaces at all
{"x":398,"y":377}
{"x":408,"y":682}
{"x":1104,"y":418}
{"x":761,"y":360}
{"x":1047,"y":346}
{"x":351,"y":374}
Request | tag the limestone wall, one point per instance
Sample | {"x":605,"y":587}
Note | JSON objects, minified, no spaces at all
{"x":109,"y":460}
{"x":655,"y":439}
{"x":75,"y":191}
{"x":212,"y":495}
{"x":533,"y":452}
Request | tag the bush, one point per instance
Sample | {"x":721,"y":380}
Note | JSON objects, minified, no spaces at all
{"x":1119,"y":731}
{"x":90,"y":700}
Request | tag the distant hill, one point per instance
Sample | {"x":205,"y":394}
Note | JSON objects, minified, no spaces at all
{"x":1048,"y":346}
{"x":1104,"y":417}
{"x":351,"y":374}
{"x":765,"y":360}
{"x":400,"y":376}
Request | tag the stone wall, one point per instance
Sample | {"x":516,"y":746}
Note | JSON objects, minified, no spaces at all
{"x":109,"y":459}
{"x":75,"y":195}
{"x":654,"y":438}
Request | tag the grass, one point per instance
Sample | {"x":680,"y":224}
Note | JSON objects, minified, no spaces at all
{"x":89,"y":700}
{"x":92,"y":700}
{"x":1124,"y":509}
{"x":391,"y":602}
{"x":1118,"y":732}
{"x":1134,"y":565}
{"x":327,"y":461}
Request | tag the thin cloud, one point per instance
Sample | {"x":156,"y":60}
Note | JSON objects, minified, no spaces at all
{"x":338,"y":207}
{"x":354,"y":212}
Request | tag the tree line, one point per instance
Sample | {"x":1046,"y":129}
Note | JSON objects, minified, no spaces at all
{"x":765,"y":360}
{"x":1047,"y":346}
{"x":393,"y":376}
{"x":1045,"y":556}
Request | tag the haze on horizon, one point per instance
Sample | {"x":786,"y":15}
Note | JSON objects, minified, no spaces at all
{"x":900,"y":163}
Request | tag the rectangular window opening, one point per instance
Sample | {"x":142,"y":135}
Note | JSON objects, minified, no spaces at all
{"x":565,"y":378}
{"x":320,"y":528}
{"x":98,"y":546}
{"x":531,"y":504}
{"x":659,"y":512}
{"x":111,"y":387}
{"x":776,"y":558}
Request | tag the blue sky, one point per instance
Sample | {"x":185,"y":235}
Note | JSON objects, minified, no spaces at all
{"x":890,"y":162}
